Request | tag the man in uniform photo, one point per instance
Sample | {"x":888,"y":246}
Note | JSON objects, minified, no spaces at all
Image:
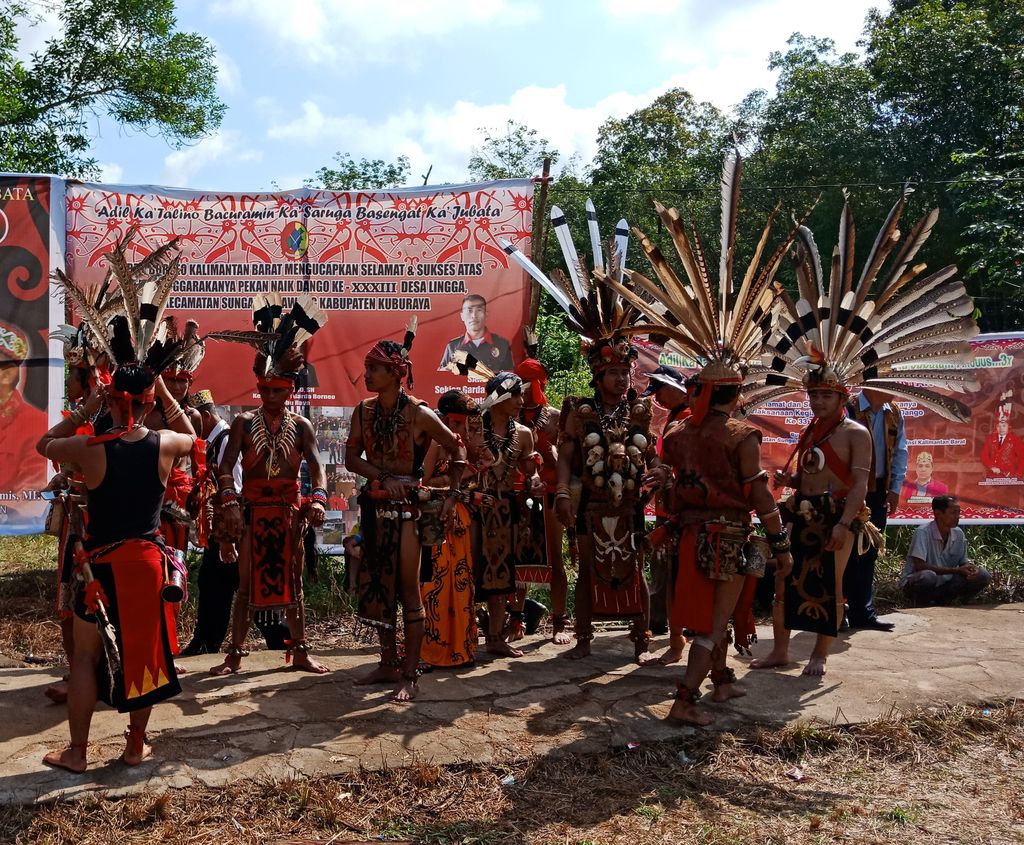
{"x":491,"y":350}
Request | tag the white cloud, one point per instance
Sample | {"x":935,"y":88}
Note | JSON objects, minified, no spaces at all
{"x":229,"y":77}
{"x":724,"y":59}
{"x":111,"y":173}
{"x":641,"y":8}
{"x":182,"y":165}
{"x":445,"y":138}
{"x":322,"y":30}
{"x":34,"y":30}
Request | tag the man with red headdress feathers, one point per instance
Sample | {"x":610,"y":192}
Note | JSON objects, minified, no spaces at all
{"x":389,"y":438}
{"x":543,"y":420}
{"x":171,"y":410}
{"x":269,"y":519}
{"x":715,"y":458}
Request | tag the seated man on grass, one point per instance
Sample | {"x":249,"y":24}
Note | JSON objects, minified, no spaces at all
{"x":937,"y":568}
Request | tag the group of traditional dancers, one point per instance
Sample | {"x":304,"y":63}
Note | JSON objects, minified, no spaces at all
{"x":460,"y":505}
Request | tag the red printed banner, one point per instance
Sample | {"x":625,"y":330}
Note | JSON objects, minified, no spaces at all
{"x":980,"y":461}
{"x":372,"y":259}
{"x":24,"y":330}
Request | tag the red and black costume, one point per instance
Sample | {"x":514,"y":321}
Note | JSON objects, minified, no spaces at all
{"x":129,"y":565}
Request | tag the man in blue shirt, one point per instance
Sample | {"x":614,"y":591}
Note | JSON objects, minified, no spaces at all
{"x":937,"y":569}
{"x":885,"y":480}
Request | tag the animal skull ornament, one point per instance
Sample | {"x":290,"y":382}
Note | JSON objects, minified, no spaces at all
{"x":594,"y":455}
{"x":592,"y":439}
{"x":618,"y":461}
{"x":615,"y":485}
{"x":639,"y":441}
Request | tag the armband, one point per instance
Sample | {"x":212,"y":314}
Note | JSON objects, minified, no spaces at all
{"x":173,"y":414}
{"x":319,"y":497}
{"x":756,"y":477}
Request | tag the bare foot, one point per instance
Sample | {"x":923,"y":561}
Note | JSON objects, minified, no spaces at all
{"x":57,"y":693}
{"x":381,"y":675}
{"x":815,"y":667}
{"x":232,"y":663}
{"x":684,"y":713}
{"x":669,"y":656}
{"x":179,"y":669}
{"x":578,"y":651}
{"x":405,"y":691}
{"x":771,"y":660}
{"x":306,"y":663}
{"x":723,"y":692}
{"x":136,"y":748}
{"x":503,"y":649}
{"x":71,"y":758}
{"x":561,"y":638}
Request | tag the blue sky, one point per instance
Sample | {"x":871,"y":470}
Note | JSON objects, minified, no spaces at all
{"x":303,"y":79}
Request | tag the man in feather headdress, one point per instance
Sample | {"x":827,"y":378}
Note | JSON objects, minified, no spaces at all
{"x":389,"y":438}
{"x":607,"y":440}
{"x":269,"y":519}
{"x":713,"y":458}
{"x":121,"y":564}
{"x":834,"y":339}
{"x":833,"y":458}
{"x":606,"y":451}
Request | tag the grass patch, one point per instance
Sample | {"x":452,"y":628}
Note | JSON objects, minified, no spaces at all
{"x":911,"y":782}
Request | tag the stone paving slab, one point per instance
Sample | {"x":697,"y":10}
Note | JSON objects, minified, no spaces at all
{"x":273,"y":722}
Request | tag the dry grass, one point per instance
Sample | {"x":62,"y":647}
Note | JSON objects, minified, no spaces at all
{"x":930,"y":776}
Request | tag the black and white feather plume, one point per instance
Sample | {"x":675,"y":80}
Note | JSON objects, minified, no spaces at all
{"x":895,"y":329}
{"x":286,"y":329}
{"x":594,"y":311}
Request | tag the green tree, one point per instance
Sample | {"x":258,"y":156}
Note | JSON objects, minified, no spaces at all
{"x":364,"y":175}
{"x":991,"y":197}
{"x":120,"y":58}
{"x":674,"y":144}
{"x":518,"y":153}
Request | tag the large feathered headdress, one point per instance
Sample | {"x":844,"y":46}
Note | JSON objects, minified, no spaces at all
{"x":279,"y":358}
{"x":123,"y":322}
{"x":905,"y":339}
{"x":125,"y":326}
{"x":593,"y":311}
{"x":722,"y":328}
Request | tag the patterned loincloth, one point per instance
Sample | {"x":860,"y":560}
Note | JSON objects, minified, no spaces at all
{"x":813,"y":600}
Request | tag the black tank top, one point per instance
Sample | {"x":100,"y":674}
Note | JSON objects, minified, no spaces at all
{"x":126,"y":504}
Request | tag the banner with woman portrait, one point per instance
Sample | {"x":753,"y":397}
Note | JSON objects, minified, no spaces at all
{"x":30,"y":389}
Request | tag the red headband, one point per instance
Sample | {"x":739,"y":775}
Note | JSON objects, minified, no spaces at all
{"x":275,"y":382}
{"x":398,"y":363}
{"x":177,"y":373}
